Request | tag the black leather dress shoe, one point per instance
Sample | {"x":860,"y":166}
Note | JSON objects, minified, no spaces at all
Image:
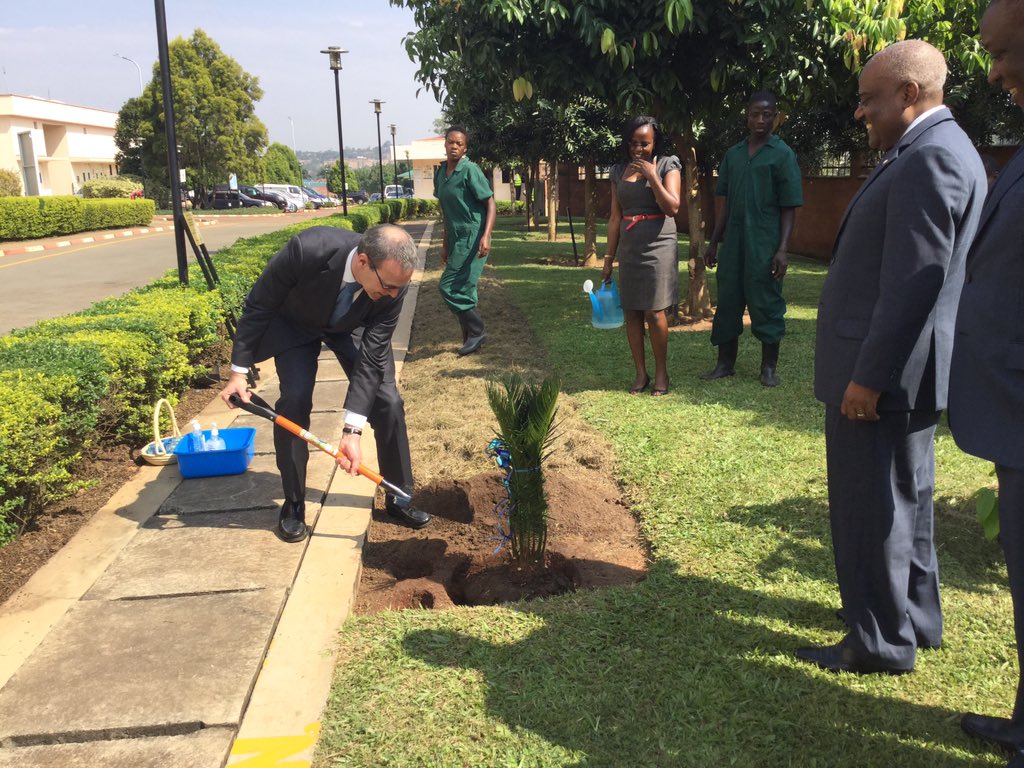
{"x":414,"y":518}
{"x":998,"y":730}
{"x":291,"y":523}
{"x":841,"y":658}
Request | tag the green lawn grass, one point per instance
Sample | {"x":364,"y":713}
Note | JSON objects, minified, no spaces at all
{"x":694,"y":666}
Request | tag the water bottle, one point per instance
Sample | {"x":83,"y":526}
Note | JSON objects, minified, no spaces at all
{"x":216,"y":442}
{"x":198,"y":439}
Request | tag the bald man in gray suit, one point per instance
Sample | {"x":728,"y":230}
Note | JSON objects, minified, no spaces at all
{"x":884,"y":341}
{"x":986,"y":385}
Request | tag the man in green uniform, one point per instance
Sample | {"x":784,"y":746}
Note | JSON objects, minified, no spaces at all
{"x":760,"y":181}
{"x":467,"y":205}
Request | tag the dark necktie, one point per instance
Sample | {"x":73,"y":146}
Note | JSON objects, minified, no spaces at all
{"x":344,"y":302}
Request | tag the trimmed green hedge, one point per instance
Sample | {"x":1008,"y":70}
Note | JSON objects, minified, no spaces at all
{"x":25,"y":218}
{"x":94,"y":376}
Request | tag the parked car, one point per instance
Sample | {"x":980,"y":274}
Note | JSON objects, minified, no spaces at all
{"x":266,"y":196}
{"x":375,"y":197}
{"x":358,"y":196}
{"x":315,"y":197}
{"x":289,"y":192}
{"x":392,"y":191}
{"x":226,"y":199}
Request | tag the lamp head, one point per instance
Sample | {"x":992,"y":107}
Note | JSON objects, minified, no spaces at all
{"x":334,"y":53}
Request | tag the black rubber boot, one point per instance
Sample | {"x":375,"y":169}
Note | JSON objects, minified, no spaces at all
{"x":474,"y":325}
{"x":769,"y":362}
{"x":460,"y":316}
{"x":726,"y":361}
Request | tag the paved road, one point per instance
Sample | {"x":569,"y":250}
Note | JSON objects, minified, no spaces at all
{"x":48,"y":284}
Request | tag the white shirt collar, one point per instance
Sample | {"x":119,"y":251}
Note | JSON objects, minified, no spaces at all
{"x":349,"y":277}
{"x":919,"y":118}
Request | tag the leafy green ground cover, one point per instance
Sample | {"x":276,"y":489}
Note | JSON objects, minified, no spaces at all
{"x":694,"y":666}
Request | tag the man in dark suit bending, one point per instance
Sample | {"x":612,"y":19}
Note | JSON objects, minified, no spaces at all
{"x":330,"y":286}
{"x":986,"y":382}
{"x":881,"y":367}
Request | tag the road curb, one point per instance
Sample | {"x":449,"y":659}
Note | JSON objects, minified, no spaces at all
{"x":95,"y":237}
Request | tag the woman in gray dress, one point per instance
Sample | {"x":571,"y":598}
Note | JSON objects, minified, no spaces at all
{"x":642,"y":233}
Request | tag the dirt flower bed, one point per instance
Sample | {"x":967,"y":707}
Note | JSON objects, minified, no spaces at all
{"x":593,"y":540}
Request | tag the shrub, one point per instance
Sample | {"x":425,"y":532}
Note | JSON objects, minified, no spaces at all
{"x":511,"y":208}
{"x":10,"y":183}
{"x":68,"y":382}
{"x":109,"y":187}
{"x":23,"y":218}
{"x":429,"y":207}
{"x":33,"y":468}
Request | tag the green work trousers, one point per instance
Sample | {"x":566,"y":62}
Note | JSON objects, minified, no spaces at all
{"x":462,"y":273}
{"x":745,"y":281}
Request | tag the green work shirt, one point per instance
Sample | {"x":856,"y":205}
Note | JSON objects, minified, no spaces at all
{"x":757,"y":188}
{"x":463,"y":197}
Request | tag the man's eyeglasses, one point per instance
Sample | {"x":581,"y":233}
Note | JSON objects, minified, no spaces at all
{"x":387,"y":288}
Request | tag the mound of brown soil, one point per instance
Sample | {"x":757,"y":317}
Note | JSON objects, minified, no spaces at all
{"x":592,"y":542}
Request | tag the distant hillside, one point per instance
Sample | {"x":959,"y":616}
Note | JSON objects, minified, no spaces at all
{"x":313,"y":161}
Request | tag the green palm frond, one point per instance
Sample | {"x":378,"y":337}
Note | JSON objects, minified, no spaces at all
{"x":526,"y":425}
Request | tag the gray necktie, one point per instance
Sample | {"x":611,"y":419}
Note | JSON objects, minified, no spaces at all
{"x":344,"y":302}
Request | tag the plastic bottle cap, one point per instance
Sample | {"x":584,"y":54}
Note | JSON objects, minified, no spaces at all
{"x":588,"y":286}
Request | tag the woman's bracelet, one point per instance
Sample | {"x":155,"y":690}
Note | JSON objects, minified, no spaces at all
{"x":609,"y":256}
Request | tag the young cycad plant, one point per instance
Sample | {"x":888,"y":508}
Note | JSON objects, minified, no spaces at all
{"x":526,"y":420}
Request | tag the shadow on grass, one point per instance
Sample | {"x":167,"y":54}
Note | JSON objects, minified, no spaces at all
{"x":967,"y":560}
{"x":686,"y":671}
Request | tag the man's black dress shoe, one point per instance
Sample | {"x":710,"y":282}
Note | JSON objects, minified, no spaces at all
{"x":922,"y":644}
{"x":841,"y":658}
{"x":414,"y":518}
{"x":998,"y":730}
{"x":291,"y":523}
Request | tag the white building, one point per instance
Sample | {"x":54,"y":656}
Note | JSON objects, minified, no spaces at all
{"x":54,"y":146}
{"x":424,"y":155}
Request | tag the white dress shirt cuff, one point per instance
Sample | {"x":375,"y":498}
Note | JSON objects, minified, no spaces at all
{"x":354,"y":420}
{"x":238,"y":369}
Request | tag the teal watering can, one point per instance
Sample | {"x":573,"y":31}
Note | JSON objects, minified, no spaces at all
{"x":606,"y":309}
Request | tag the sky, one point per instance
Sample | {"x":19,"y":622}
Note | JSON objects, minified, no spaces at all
{"x":65,"y":50}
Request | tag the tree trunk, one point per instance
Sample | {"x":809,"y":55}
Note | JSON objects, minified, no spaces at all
{"x":532,"y":172}
{"x":698,"y":299}
{"x":552,"y":201}
{"x":590,"y":227}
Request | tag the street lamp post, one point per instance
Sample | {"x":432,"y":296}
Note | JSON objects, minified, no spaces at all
{"x":133,"y":61}
{"x":334,"y":52}
{"x":380,"y":155}
{"x":172,"y":141}
{"x":394,"y":151}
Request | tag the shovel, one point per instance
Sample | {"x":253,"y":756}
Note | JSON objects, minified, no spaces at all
{"x":259,"y":407}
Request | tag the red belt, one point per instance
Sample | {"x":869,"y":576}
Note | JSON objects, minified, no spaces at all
{"x":642,"y":217}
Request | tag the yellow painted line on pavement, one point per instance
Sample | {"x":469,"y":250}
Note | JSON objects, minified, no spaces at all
{"x":274,"y":751}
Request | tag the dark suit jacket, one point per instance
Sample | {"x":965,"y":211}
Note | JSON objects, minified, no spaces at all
{"x":292,"y":301}
{"x":886,"y":313}
{"x":986,"y":386}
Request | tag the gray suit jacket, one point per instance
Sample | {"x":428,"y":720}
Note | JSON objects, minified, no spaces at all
{"x":292,"y":301}
{"x":887,"y":309}
{"x":986,"y":385}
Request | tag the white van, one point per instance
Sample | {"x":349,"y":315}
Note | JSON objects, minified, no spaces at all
{"x":289,"y":192}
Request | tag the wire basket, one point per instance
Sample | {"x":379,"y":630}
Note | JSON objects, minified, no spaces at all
{"x":160,"y":451}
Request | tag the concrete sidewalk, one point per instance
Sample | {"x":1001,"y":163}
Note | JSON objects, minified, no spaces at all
{"x":175,"y":629}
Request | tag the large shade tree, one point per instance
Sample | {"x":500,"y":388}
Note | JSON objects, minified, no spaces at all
{"x":690,"y":63}
{"x":215,"y":119}
{"x":281,"y":166}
